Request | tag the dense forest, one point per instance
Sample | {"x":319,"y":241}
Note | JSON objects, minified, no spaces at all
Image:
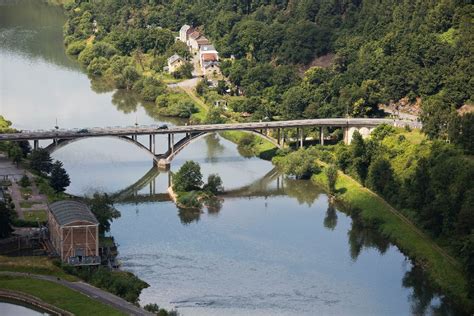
{"x":288,"y":59}
{"x":377,"y":51}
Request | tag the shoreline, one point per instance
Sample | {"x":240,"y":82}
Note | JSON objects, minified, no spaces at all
{"x":373,"y":210}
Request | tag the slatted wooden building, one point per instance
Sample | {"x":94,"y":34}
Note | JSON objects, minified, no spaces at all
{"x":74,"y":232}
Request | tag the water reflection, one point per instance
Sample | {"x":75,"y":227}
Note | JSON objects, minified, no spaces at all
{"x":330,"y":221}
{"x":125,"y":101}
{"x":31,"y":30}
{"x":363,"y":237}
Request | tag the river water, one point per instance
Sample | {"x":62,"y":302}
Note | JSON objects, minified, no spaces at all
{"x":274,"y":247}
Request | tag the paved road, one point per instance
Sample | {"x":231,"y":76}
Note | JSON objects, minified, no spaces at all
{"x":89,"y":290}
{"x":152,"y":129}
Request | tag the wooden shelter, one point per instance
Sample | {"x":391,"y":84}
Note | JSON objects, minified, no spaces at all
{"x":74,"y":232}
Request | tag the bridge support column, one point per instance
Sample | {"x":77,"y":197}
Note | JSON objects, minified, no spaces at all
{"x":321,"y":136}
{"x":301,"y":137}
{"x":35,"y":144}
{"x":172,"y":143}
{"x":345,"y":133}
{"x":278,"y":136}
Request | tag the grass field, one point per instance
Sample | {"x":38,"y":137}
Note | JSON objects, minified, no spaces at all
{"x":35,"y":265}
{"x":444,"y":270}
{"x":57,"y":295}
{"x":39,"y":215}
{"x":28,"y":204}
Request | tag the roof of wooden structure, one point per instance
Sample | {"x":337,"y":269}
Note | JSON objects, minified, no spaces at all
{"x":67,"y":212}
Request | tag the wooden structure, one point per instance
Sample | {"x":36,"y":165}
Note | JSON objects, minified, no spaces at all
{"x":74,"y":232}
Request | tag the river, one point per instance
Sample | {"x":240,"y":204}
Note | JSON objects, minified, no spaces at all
{"x":276,"y":246}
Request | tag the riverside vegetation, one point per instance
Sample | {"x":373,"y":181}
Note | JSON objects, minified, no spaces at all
{"x":429,"y":182}
{"x":190,"y":190}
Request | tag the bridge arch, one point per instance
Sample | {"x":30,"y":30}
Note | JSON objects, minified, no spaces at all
{"x":51,"y":148}
{"x":183,"y":143}
{"x":162,"y":160}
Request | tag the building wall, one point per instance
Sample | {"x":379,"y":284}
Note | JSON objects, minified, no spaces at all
{"x":78,"y":236}
{"x":174,"y":66}
{"x":54,"y":233}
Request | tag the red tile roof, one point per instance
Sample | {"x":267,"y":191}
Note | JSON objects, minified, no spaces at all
{"x":209,"y":57}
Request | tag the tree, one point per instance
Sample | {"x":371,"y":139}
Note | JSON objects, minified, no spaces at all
{"x":40,"y":161}
{"x":25,"y":147}
{"x":15,"y":153}
{"x":331,"y":174}
{"x":5,"y":221}
{"x":380,"y":178}
{"x":25,"y":181}
{"x":102,"y":205}
{"x":59,"y":180}
{"x":188,"y":177}
{"x":299,"y":164}
{"x":129,"y":76}
{"x":214,"y":184}
{"x":185,"y":71}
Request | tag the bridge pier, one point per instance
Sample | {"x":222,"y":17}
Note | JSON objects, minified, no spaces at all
{"x":321,"y":136}
{"x":35,"y":144}
{"x":164,"y":164}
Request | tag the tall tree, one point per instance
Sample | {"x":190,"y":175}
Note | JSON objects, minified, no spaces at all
{"x":59,"y":180}
{"x":5,"y":227}
{"x":102,"y":205}
{"x":40,"y":161}
{"x":188,"y":177}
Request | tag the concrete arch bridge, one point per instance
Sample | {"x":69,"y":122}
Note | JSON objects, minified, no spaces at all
{"x":191,"y":133}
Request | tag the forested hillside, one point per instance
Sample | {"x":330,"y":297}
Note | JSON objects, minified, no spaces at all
{"x":383,"y":50}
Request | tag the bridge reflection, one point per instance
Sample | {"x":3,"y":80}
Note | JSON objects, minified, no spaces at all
{"x":273,"y":183}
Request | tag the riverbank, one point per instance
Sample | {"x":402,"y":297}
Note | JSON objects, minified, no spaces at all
{"x":443,"y":270}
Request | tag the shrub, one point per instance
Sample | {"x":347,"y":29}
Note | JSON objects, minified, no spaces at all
{"x":75,"y":48}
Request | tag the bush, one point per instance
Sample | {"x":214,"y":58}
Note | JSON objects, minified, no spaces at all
{"x":25,"y":181}
{"x":300,"y":164}
{"x":98,"y":66}
{"x":75,"y":48}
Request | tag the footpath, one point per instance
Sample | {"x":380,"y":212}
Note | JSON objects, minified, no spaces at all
{"x":88,"y":290}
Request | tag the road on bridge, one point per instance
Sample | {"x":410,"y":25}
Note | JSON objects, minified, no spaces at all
{"x":152,"y":130}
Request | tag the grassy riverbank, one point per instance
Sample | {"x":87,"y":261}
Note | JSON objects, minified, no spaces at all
{"x":443,"y":270}
{"x":57,"y":295}
{"x":261,"y":148}
{"x":34,"y":265}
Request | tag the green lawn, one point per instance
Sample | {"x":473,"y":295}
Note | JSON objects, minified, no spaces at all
{"x":28,"y":204}
{"x":35,"y":215}
{"x":35,"y":265}
{"x":262,"y":146}
{"x":444,"y":271}
{"x":57,"y":295}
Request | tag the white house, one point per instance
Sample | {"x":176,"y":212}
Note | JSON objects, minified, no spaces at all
{"x":184,"y":33}
{"x":174,"y":62}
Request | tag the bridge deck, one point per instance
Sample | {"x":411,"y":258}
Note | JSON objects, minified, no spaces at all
{"x":149,"y":130}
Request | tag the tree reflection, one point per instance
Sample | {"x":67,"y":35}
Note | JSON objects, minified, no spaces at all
{"x":362,"y":236}
{"x":214,"y":206}
{"x":187,"y":216}
{"x":214,"y":148}
{"x":424,"y":299}
{"x":100,"y":85}
{"x":304,"y":191}
{"x":330,"y":221}
{"x":125,"y":101}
